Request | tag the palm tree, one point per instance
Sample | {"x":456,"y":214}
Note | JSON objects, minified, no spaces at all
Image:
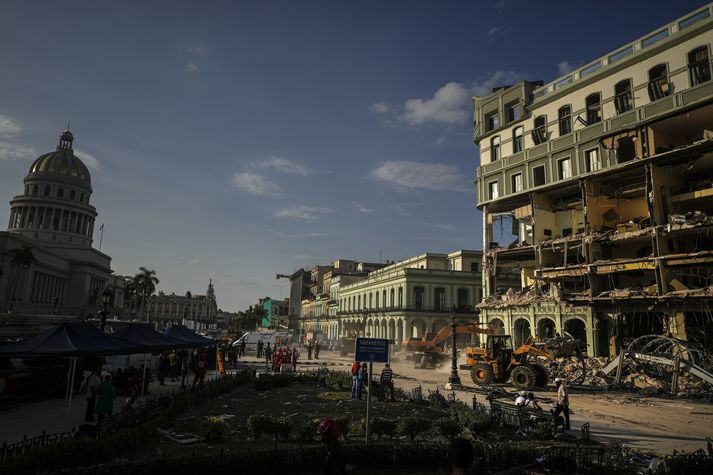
{"x":146,"y":282}
{"x":21,"y":259}
{"x":130,"y":292}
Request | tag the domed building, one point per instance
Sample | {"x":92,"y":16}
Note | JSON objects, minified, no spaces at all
{"x":47,"y":260}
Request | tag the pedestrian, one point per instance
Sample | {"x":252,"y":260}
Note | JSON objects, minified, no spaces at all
{"x":259,"y":348}
{"x":106,"y":394}
{"x":521,"y":399}
{"x":460,"y":455}
{"x":387,"y":381}
{"x":316,"y":350}
{"x":242,"y":348}
{"x":173,"y":362}
{"x":309,"y":350}
{"x":294,"y":359}
{"x":334,"y":460}
{"x":268,"y":354}
{"x":90,"y":388}
{"x":363,"y":375}
{"x":163,"y":366}
{"x":276,"y":359}
{"x":355,"y":379}
{"x":532,"y":402}
{"x":185,"y":363}
{"x":562,"y":406}
{"x":200,"y":370}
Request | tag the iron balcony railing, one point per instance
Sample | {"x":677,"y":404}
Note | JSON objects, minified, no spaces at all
{"x":460,"y":309}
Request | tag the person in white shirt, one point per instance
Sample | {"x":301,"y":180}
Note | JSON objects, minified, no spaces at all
{"x":521,"y":399}
{"x":531,"y":402}
{"x":562,"y":406}
{"x":90,"y":387}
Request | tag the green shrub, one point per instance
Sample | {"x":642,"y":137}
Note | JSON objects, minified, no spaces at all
{"x":308,"y":430}
{"x":338,"y":381}
{"x":381,"y":427}
{"x":448,"y":427}
{"x":436,"y":399}
{"x":214,"y":428}
{"x":335,"y":395}
{"x":283,"y":427}
{"x":259,"y":425}
{"x":412,"y":426}
{"x":467,"y":418}
{"x":344,"y":423}
{"x":271,"y":381}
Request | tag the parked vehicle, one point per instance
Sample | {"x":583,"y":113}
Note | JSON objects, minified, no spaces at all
{"x":251,"y":339}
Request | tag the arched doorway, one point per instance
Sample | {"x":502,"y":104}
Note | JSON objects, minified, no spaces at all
{"x":578,"y":330}
{"x":418,"y":328}
{"x":400,"y":331}
{"x":499,"y":326}
{"x":521,"y":331}
{"x":392,"y":330}
{"x":546,"y":328}
{"x":384,"y":329}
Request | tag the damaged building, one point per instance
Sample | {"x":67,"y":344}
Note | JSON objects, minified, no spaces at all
{"x":605,"y":177}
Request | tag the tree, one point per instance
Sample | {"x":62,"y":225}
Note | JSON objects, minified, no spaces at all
{"x":21,"y":260}
{"x":130,"y":293}
{"x":146,"y":282}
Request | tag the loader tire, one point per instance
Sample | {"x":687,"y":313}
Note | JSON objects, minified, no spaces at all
{"x":523,"y":377}
{"x":481,"y":374}
{"x":542,"y":377}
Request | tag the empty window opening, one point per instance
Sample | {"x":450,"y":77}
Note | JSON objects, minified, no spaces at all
{"x":60,"y":193}
{"x":594,"y":108}
{"x":622,"y":96}
{"x":513,"y":111}
{"x":538,"y":175}
{"x":539,"y":133}
{"x":492,"y":121}
{"x":493,"y":190}
{"x":565,"y":119}
{"x":658,"y":82}
{"x":626,"y":150}
{"x":699,"y":67}
{"x":564,"y":168}
{"x":495,"y":149}
{"x":517,"y":140}
{"x":516,"y":182}
{"x":591,"y":158}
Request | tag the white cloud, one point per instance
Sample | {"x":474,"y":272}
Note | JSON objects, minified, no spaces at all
{"x":254,"y":184}
{"x":564,"y":67}
{"x":89,"y":160}
{"x":302,"y":213}
{"x":362,"y":209}
{"x":444,"y":227}
{"x":192,"y":68}
{"x":10,"y":151}
{"x":380,"y":107}
{"x":9,"y":126}
{"x":495,"y":31}
{"x":197,"y":50}
{"x":429,"y":176}
{"x":283,"y":165}
{"x":451,"y":103}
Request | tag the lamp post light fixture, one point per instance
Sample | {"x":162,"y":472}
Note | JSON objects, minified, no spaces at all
{"x":106,"y":300}
{"x":453,"y":380}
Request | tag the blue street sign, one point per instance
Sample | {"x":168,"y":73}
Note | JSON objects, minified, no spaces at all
{"x":374,"y":350}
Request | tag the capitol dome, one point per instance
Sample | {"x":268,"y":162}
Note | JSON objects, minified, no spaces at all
{"x":62,"y":161}
{"x":55,"y":205}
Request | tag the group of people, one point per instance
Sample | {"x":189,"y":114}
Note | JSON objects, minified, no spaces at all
{"x":360,"y":377}
{"x":282,"y":358}
{"x":100,"y":395}
{"x":313,"y":346}
{"x":527,"y":399}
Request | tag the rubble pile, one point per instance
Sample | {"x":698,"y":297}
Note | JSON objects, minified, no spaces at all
{"x":512,"y":297}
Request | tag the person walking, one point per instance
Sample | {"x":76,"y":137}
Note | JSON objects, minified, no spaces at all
{"x":173,"y":363}
{"x":355,"y":379}
{"x":294,"y":359}
{"x":242,"y":349}
{"x":387,"y":381}
{"x":363,"y":375}
{"x":163,"y":366}
{"x":309,"y":350}
{"x":91,"y":389}
{"x":259,"y":348}
{"x":185,"y":363}
{"x":199,"y":376}
{"x":268,"y":354}
{"x":106,"y":394}
{"x":316,"y":350}
{"x":562,"y":406}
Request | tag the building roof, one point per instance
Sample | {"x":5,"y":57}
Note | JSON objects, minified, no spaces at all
{"x":61,"y":162}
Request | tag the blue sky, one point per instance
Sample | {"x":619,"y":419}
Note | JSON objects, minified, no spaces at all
{"x":235,"y":140}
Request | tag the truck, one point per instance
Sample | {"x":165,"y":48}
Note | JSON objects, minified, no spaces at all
{"x":275,"y":338}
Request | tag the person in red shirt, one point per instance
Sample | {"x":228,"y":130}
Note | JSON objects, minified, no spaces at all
{"x":355,"y":379}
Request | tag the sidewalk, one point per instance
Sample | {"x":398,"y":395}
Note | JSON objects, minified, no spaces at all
{"x":51,"y":415}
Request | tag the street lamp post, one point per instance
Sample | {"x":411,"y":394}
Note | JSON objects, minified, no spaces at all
{"x":453,"y":379}
{"x":106,"y":300}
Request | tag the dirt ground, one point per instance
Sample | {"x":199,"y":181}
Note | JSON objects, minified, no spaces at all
{"x":650,"y":423}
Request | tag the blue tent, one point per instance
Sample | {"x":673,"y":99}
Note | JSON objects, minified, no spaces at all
{"x":190,"y":338}
{"x":144,"y":335}
{"x":70,"y":339}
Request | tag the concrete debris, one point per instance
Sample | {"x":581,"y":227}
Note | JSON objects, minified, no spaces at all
{"x":690,"y":218}
{"x":513,"y":297}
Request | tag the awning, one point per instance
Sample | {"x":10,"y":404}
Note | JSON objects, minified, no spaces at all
{"x":182,"y":333}
{"x":70,"y":339}
{"x":144,"y":335}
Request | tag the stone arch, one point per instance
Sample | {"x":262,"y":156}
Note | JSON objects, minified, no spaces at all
{"x":521,"y":331}
{"x":546,"y":328}
{"x":437,"y":324}
{"x":418,"y":328}
{"x":392,"y":330}
{"x":498,"y":324}
{"x":400,"y":331}
{"x":577,"y":328}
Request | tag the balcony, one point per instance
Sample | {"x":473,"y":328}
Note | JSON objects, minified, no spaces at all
{"x":460,"y":310}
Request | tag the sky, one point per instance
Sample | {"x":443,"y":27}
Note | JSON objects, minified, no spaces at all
{"x":235,"y":140}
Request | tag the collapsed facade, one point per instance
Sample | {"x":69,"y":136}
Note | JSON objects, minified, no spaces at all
{"x":606,"y":177}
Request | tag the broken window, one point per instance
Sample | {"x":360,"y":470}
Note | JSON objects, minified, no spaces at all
{"x":699,"y":67}
{"x":538,"y":175}
{"x":517,"y":140}
{"x":516,"y":182}
{"x":564,"y":168}
{"x":493,"y":190}
{"x":565,"y":119}
{"x":539,"y":133}
{"x":622,"y":96}
{"x":495,"y":149}
{"x":493,"y":121}
{"x":594,"y":108}
{"x":658,"y":82}
{"x":513,"y":111}
{"x":591,"y":158}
